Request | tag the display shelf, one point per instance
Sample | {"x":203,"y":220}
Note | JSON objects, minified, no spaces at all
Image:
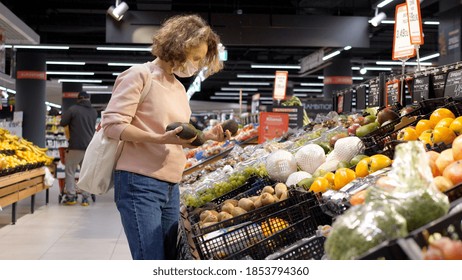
{"x":207,"y":161}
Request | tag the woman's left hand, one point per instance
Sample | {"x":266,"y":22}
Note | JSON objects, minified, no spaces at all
{"x":217,"y":134}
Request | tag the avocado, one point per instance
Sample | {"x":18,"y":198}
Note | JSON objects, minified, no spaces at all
{"x":366,"y":129}
{"x":200,"y":139}
{"x":188,"y":132}
{"x":230,"y":125}
{"x":305,"y":183}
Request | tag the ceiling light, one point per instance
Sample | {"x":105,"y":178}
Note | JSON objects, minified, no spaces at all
{"x":301,"y":94}
{"x":331,"y":55}
{"x":357,"y":78}
{"x":400,"y":63}
{"x":94,"y":87}
{"x":65,"y":63}
{"x":41,"y":47}
{"x":363,"y":71}
{"x":140,"y":49}
{"x":99,"y":92}
{"x":388,"y":21}
{"x":224,"y":97}
{"x":428,"y":57}
{"x":431,"y":22}
{"x":307,"y":90}
{"x":52,"y":104}
{"x":375,"y":21}
{"x":274,"y":66}
{"x":118,"y":11}
{"x":311,"y":84}
{"x":11,"y":91}
{"x":347,"y":48}
{"x":384,"y":3}
{"x":78,"y":81}
{"x":69,"y":73}
{"x":248,"y":84}
{"x":121,"y":64}
{"x":255,"y":76}
{"x":243,"y":89}
{"x":231,"y":93}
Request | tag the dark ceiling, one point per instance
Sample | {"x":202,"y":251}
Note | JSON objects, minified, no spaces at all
{"x":83,"y":22}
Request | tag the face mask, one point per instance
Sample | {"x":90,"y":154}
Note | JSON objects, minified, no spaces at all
{"x":188,"y":70}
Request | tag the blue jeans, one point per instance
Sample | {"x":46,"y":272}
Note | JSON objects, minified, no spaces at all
{"x":149,"y":210}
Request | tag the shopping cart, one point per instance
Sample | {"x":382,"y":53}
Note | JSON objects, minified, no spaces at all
{"x":61,"y":181}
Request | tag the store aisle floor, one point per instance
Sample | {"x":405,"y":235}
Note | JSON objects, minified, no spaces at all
{"x":60,"y":232}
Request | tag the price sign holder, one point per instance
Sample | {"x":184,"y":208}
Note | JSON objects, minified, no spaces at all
{"x":415,"y":26}
{"x":280,"y":85}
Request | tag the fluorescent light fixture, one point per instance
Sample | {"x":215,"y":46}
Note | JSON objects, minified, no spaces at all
{"x":219,"y":93}
{"x":65,"y":63}
{"x":255,"y":76}
{"x":269,"y":66}
{"x":116,"y":74}
{"x":78,"y":81}
{"x":357,"y":78}
{"x":41,"y":47}
{"x":429,"y":22}
{"x":331,"y":55}
{"x":428,"y":57}
{"x":321,"y":77}
{"x":121,"y":64}
{"x":224,"y":97}
{"x":238,"y":89}
{"x":5,"y":95}
{"x":301,"y":94}
{"x":347,"y":48}
{"x":249,"y":84}
{"x":99,"y":92}
{"x":94,"y":87}
{"x":307,"y":90}
{"x":375,"y":21}
{"x":371,"y":68}
{"x":311,"y":84}
{"x":267,"y":102}
{"x":388,"y":21}
{"x":118,"y":11}
{"x":124,"y":49}
{"x":266,"y":98}
{"x":70,"y":73}
{"x":409,"y":63}
{"x":384,"y":3}
{"x":11,"y":91}
{"x":52,"y":104}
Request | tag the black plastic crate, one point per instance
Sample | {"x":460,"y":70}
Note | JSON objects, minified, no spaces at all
{"x":252,"y":235}
{"x":252,"y":182}
{"x":294,"y":198}
{"x":311,"y":248}
{"x":449,"y":225}
{"x":454,"y":193}
{"x":388,"y":250}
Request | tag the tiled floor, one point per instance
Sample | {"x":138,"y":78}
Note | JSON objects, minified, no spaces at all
{"x":59,"y":232}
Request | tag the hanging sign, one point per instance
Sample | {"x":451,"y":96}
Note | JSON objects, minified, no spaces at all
{"x":415,"y":22}
{"x":402,"y":47}
{"x":280,"y":85}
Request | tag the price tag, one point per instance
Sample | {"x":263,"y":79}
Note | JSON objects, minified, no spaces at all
{"x":415,"y":22}
{"x":402,"y":47}
{"x":280,"y":84}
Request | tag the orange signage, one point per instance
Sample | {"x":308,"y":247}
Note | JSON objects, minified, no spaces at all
{"x":31,"y":75}
{"x":415,"y":21}
{"x":272,"y":125}
{"x":402,"y":47}
{"x":280,"y":84}
{"x":338,"y":80}
{"x":70,"y":94}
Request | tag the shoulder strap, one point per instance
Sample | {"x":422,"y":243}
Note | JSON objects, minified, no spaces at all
{"x":147,"y":86}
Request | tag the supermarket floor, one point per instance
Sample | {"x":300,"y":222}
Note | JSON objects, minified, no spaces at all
{"x":59,"y":232}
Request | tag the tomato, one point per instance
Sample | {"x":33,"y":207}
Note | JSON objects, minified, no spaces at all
{"x":456,"y":126}
{"x":342,"y":177}
{"x":426,"y":137}
{"x":407,"y":134}
{"x":446,"y":122}
{"x":371,"y":164}
{"x":442,"y":134}
{"x":330,"y":177}
{"x":362,"y":168}
{"x":320,"y":184}
{"x":440,"y":114}
{"x":423,"y":125}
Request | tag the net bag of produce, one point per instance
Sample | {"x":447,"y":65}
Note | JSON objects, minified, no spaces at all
{"x":296,"y":177}
{"x":363,"y":227}
{"x":310,"y":157}
{"x":280,"y":164}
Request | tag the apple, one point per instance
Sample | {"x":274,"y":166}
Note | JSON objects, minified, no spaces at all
{"x":334,"y":138}
{"x":352,"y":129}
{"x":457,"y":148}
{"x":454,"y":172}
{"x":432,"y":156}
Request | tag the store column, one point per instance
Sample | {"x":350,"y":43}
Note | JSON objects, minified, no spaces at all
{"x":337,"y":76}
{"x":70,"y":95}
{"x":31,"y":93}
{"x":449,"y":31}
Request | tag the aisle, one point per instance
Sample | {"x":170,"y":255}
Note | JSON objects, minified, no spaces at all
{"x":60,"y":232}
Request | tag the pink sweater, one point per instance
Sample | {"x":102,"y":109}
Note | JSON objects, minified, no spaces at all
{"x":164,"y":104}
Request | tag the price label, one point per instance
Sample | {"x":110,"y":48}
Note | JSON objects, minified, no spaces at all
{"x":415,"y":22}
{"x":402,"y":47}
{"x":280,"y":84}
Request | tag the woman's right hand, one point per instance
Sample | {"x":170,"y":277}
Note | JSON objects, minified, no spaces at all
{"x":171,"y":137}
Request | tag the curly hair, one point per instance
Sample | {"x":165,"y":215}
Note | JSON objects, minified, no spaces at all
{"x":181,"y":33}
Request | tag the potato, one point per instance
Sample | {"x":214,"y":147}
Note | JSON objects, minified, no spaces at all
{"x":224,"y":216}
{"x":204,"y":214}
{"x":257,"y":202}
{"x":276,"y":199}
{"x":227,"y":207}
{"x":280,"y":188}
{"x":204,"y":225}
{"x":254,"y":198}
{"x":246,"y":204}
{"x":268,"y":189}
{"x":232,"y":201}
{"x":266,"y":199}
{"x":284,"y":195}
{"x":210,"y":218}
{"x":237,"y":211}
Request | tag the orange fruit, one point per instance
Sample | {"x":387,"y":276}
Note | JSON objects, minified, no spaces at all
{"x":362,"y":168}
{"x":423,"y":125}
{"x":426,"y":137}
{"x":443,"y":134}
{"x":456,"y":126}
{"x":330,"y":177}
{"x":440,"y":114}
{"x":407,"y":134}
{"x":342,"y":177}
{"x":379,"y":162}
{"x":320,"y":184}
{"x":446,"y":122}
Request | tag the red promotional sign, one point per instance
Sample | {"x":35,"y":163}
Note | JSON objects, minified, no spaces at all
{"x":31,"y":75}
{"x":70,"y":94}
{"x":272,"y":125}
{"x":338,"y":80}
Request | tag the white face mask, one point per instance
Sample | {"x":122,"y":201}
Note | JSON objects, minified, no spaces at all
{"x":188,"y":70}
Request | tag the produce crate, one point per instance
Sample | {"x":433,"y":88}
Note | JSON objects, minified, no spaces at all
{"x":454,"y":193}
{"x":449,"y":225}
{"x":389,"y":250}
{"x":294,"y":198}
{"x":311,"y":248}
{"x":253,"y":182}
{"x":251,"y":237}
